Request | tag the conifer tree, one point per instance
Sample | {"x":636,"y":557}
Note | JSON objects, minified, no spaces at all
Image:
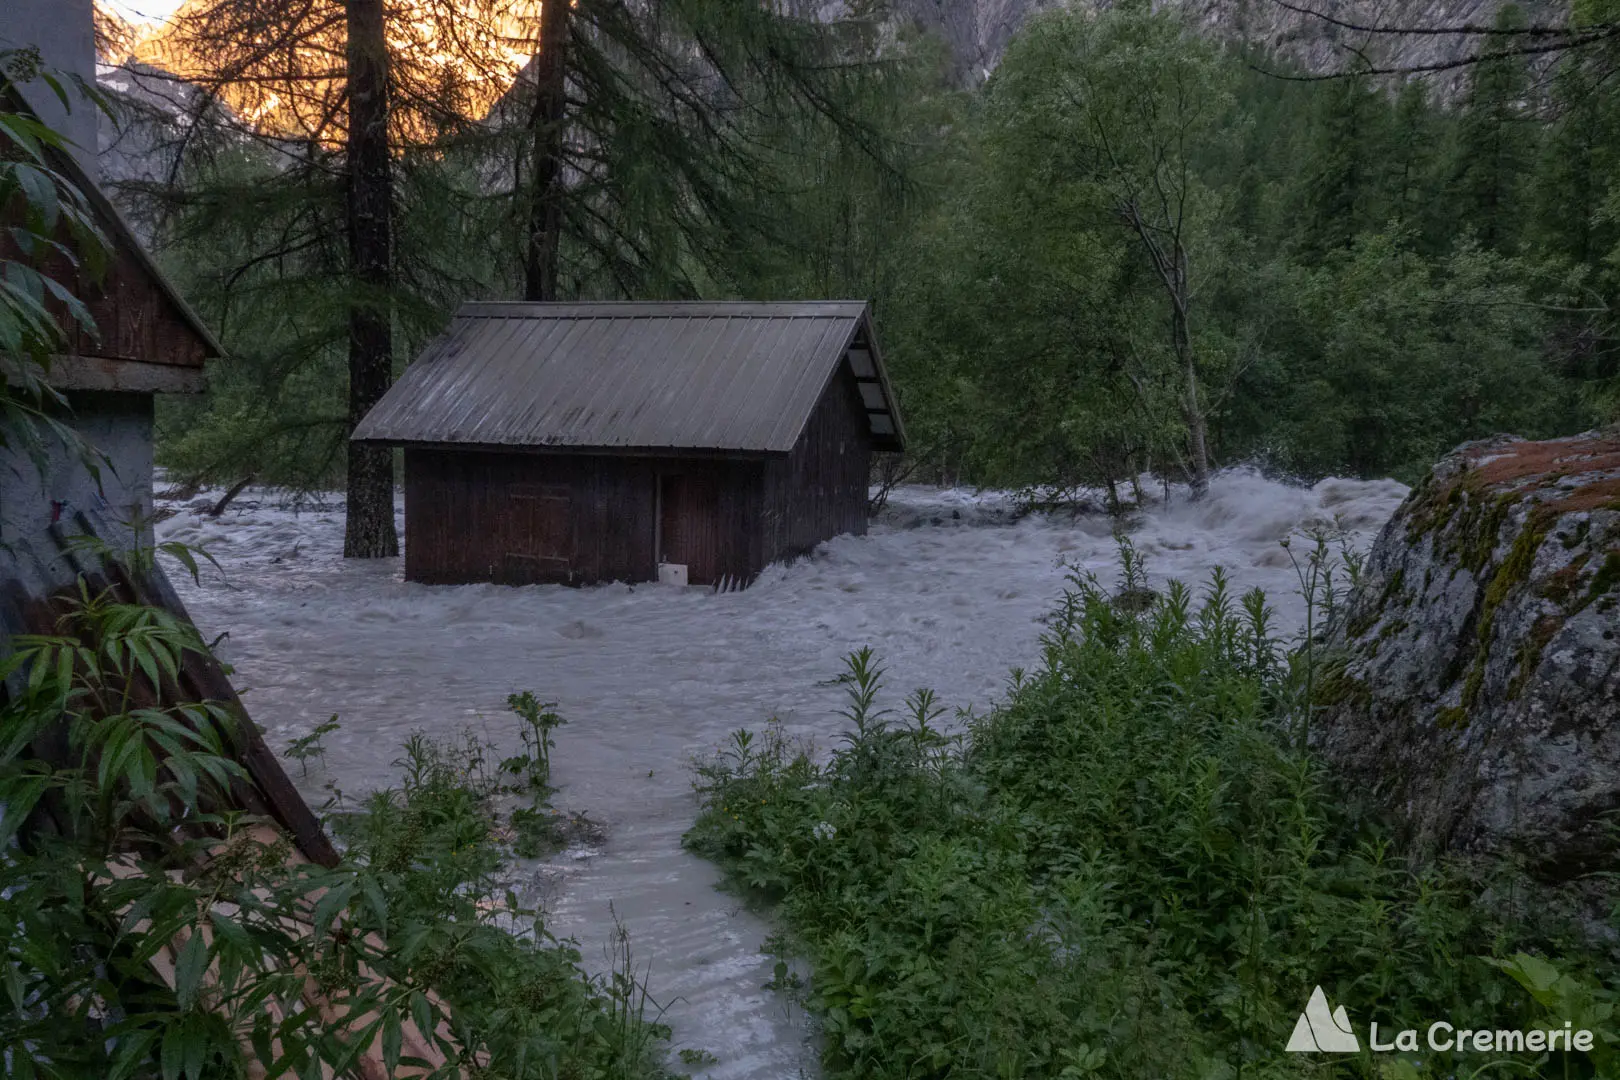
{"x":635,"y":156}
{"x":644,"y":135}
{"x":1493,"y":149}
{"x":1340,"y":186}
{"x":1577,"y":166}
{"x":1410,"y":160}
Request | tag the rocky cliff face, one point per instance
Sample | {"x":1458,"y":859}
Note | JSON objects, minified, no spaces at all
{"x":978,"y":30}
{"x":1478,"y":701}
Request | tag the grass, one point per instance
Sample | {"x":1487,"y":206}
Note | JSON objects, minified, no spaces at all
{"x":1129,"y":869}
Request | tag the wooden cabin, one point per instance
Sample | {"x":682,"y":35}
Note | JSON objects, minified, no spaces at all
{"x":686,"y":442}
{"x":147,"y":342}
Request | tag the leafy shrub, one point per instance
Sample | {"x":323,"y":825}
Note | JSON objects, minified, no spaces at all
{"x":539,"y":719}
{"x":1128,"y":869}
{"x":148,"y":930}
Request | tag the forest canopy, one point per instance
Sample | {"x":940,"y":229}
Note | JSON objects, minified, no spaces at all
{"x":1131,"y":248}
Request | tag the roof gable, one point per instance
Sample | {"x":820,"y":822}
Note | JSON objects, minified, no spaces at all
{"x":147,"y":337}
{"x":740,"y":377}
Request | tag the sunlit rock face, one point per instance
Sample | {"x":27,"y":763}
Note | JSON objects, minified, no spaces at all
{"x":978,"y":31}
{"x":1477,"y":698}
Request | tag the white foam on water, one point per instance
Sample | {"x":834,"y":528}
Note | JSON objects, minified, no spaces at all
{"x":950,"y":588}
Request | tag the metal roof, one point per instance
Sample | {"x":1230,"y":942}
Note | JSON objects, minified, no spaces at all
{"x":657,"y":376}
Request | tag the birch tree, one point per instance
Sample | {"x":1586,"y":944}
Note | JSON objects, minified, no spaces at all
{"x":1127,"y":103}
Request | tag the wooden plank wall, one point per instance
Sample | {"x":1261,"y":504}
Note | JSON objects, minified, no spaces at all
{"x":715,"y":519}
{"x":135,"y":317}
{"x":820,"y":489}
{"x":462,"y":522}
{"x":525,"y":517}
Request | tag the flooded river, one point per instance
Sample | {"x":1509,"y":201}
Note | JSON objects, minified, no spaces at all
{"x":948,"y":589}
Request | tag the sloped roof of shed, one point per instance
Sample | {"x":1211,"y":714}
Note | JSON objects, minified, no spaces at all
{"x":703,"y":376}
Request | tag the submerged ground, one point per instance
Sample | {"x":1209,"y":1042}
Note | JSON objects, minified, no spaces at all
{"x":948,"y":588}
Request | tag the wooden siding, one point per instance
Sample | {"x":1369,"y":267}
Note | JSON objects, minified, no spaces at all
{"x":820,"y":489}
{"x":137,"y":321}
{"x":136,"y":318}
{"x":710,"y":519}
{"x":529,"y":517}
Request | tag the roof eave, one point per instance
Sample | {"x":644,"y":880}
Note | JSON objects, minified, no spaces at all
{"x":570,"y":450}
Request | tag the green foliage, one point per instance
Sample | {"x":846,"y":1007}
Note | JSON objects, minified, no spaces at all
{"x":256,"y":242}
{"x":538,"y":721}
{"x":1395,"y":358}
{"x":1128,"y":869}
{"x":1493,"y":146}
{"x":312,"y":745}
{"x":1125,"y":235}
{"x":127,"y":851}
{"x":1377,"y":272}
{"x":49,"y":224}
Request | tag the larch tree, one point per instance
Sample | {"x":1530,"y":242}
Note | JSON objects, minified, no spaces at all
{"x":651,"y":139}
{"x":491,"y":148}
{"x":306,"y":108}
{"x":369,"y":197}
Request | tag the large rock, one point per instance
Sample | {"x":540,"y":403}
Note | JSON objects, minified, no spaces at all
{"x":1478,"y":695}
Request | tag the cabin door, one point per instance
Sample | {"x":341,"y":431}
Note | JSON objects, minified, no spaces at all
{"x":689,"y":524}
{"x":539,"y":535}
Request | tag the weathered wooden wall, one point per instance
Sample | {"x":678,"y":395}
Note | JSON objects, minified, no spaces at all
{"x":712,"y":507}
{"x":135,"y":317}
{"x":528,"y":517}
{"x":820,"y":489}
{"x":143,"y":341}
{"x":521,"y":517}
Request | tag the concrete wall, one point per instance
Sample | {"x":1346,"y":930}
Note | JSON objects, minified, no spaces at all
{"x":64,"y":32}
{"x":117,"y":425}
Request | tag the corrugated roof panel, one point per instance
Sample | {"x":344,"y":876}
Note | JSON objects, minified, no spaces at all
{"x":727,"y":376}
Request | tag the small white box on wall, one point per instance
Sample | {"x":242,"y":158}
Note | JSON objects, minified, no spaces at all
{"x":672,"y":573}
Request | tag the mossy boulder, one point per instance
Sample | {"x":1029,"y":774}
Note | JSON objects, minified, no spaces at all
{"x":1484,"y":647}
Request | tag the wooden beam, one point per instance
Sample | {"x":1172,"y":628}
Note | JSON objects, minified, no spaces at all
{"x":129,"y":376}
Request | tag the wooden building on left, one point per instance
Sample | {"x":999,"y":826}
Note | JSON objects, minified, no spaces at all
{"x":148,"y":341}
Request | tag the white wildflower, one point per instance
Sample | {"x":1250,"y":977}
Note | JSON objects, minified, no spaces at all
{"x":826,"y":830}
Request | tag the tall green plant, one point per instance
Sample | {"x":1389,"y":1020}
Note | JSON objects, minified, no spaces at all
{"x":128,"y":850}
{"x":1129,"y":868}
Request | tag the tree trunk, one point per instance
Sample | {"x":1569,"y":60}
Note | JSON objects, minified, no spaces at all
{"x":1192,"y":408}
{"x":1171,"y":264}
{"x":370,"y":526}
{"x":1197,"y":433}
{"x":547,"y":125}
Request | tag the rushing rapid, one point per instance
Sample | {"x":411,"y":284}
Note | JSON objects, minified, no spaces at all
{"x":949,"y":588}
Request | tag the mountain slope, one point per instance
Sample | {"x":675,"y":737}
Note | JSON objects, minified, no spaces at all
{"x":978,"y":31}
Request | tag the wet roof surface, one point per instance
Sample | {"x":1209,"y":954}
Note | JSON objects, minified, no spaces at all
{"x":717,"y":376}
